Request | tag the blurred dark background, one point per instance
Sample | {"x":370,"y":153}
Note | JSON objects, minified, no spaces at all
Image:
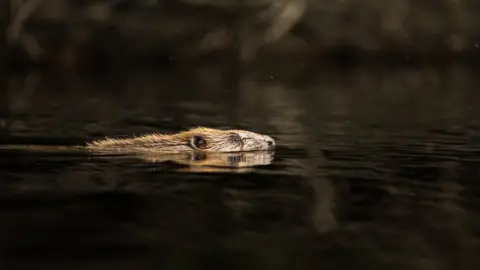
{"x":71,"y":34}
{"x":374,"y":105}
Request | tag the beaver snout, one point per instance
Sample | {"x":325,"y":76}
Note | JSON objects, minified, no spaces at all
{"x":270,"y":142}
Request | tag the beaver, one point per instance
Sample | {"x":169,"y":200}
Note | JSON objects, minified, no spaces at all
{"x":200,"y":149}
{"x":199,"y":139}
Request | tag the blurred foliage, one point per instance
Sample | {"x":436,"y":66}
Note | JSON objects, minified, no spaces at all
{"x":67,"y":31}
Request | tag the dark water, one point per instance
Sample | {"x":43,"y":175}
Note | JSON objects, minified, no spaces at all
{"x":375,"y":169}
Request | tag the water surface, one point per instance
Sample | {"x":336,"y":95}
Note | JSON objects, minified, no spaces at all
{"x":375,"y":169}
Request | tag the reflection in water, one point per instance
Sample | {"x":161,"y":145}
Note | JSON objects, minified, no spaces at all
{"x":215,"y":162}
{"x":194,"y":161}
{"x":375,"y":169}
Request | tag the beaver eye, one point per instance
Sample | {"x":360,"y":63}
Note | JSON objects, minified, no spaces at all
{"x":236,"y":138}
{"x":198,"y":141}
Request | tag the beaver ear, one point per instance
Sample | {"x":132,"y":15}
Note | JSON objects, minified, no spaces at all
{"x":197,"y":142}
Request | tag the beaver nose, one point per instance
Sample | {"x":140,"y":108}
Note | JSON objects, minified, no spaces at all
{"x":270,"y":142}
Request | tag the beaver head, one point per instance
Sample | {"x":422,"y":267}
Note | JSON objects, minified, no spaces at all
{"x":200,"y":139}
{"x":216,"y":140}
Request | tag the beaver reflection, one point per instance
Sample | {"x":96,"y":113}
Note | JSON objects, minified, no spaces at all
{"x":197,"y":161}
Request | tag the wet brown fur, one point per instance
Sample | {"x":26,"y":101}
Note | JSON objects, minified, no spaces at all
{"x":167,"y":143}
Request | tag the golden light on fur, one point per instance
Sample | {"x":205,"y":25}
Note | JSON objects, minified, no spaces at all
{"x":199,"y":139}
